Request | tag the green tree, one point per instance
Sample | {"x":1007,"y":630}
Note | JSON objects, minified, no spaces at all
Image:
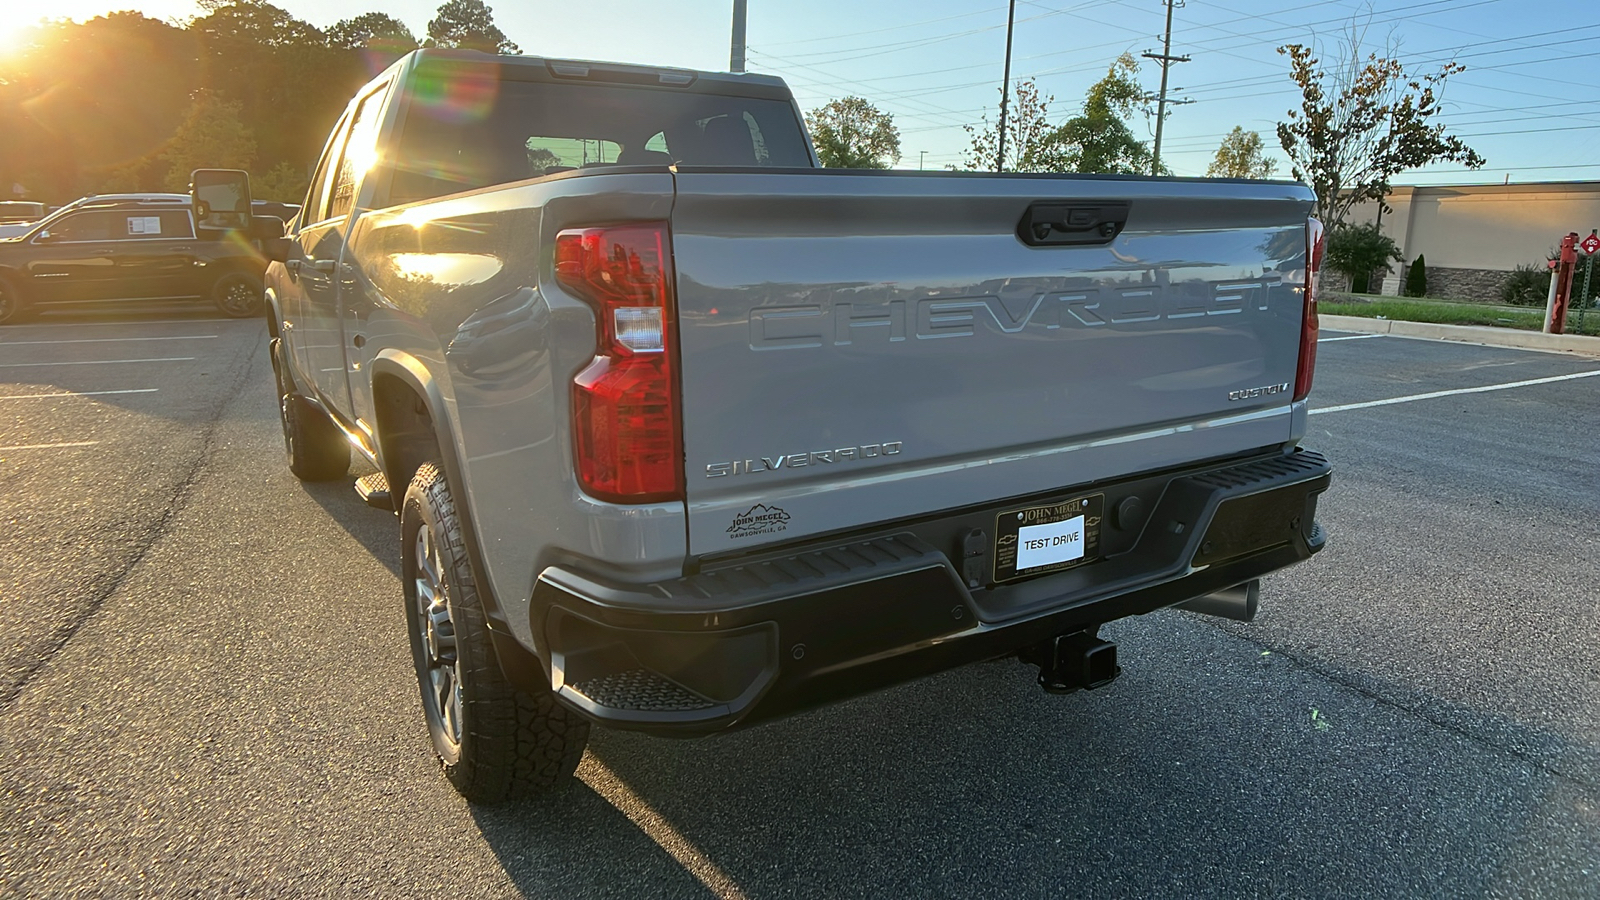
{"x":1028,"y":144}
{"x":211,"y":137}
{"x":1240,"y":156}
{"x":468,"y":25}
{"x":373,"y":30}
{"x":289,"y":84}
{"x":1362,"y":122}
{"x":1098,"y":139}
{"x":1358,"y":250}
{"x":852,"y":134}
{"x":284,"y":182}
{"x":73,"y":116}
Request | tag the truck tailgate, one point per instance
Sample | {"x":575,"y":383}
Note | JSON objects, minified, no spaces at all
{"x":861,"y":348}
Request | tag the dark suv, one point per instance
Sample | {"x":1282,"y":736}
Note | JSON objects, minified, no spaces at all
{"x":128,"y":247}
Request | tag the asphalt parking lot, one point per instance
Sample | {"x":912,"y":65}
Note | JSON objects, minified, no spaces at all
{"x":205,"y":686}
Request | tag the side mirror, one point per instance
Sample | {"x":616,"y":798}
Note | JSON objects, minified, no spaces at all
{"x":221,"y":198}
{"x":276,"y":249}
{"x":268,"y":231}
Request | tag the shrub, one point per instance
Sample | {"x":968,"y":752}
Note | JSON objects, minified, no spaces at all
{"x":1526,"y":286}
{"x":1357,"y":250}
{"x":1417,"y":278}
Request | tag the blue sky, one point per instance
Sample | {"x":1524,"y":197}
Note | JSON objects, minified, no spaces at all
{"x":1529,"y":102}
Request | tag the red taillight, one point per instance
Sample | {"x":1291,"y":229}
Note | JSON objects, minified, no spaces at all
{"x":1315,"y":244}
{"x":625,"y":402}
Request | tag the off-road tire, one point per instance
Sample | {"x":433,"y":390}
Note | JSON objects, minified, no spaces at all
{"x":14,"y":307}
{"x":508,"y":743}
{"x":238,"y":294}
{"x":315,"y":448}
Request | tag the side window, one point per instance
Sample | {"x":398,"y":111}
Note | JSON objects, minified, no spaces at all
{"x":88,"y":226}
{"x":176,"y":224}
{"x":317,"y":195}
{"x":360,"y":152}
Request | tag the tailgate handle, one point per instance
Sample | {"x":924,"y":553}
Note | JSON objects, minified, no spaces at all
{"x":1056,"y":223}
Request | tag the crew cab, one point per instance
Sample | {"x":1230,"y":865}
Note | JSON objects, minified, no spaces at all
{"x":128,"y":247}
{"x":685,"y":433}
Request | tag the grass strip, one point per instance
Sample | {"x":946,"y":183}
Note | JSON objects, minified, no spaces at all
{"x":1444,"y":313}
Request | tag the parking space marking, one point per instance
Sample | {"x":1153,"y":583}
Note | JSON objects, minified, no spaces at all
{"x":1348,"y":337}
{"x":79,"y":394}
{"x":94,"y":362}
{"x":1472,"y":390}
{"x":179,"y":337}
{"x":48,"y":446}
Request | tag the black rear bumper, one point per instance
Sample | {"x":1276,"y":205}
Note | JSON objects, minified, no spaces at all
{"x":768,"y":636}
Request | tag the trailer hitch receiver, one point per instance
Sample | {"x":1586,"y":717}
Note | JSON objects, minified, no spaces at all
{"x":1077,"y":661}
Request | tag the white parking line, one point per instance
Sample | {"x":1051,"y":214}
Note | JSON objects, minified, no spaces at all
{"x":48,"y":446}
{"x":179,"y":337}
{"x":94,"y":362}
{"x":1348,"y":337}
{"x":1472,"y":390}
{"x":79,"y":394}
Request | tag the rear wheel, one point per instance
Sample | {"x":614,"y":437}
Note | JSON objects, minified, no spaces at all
{"x":495,"y":741}
{"x":238,"y":295}
{"x":13,"y":306}
{"x":315,"y":447}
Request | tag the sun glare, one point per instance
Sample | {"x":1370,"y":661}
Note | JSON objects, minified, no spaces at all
{"x":14,"y":30}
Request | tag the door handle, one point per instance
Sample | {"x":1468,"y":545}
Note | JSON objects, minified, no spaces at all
{"x":182,"y":249}
{"x":325,"y":265}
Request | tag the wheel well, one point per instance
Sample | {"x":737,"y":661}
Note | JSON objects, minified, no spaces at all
{"x":406,"y":438}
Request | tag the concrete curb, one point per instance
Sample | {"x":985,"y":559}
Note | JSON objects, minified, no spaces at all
{"x":1471,"y":334}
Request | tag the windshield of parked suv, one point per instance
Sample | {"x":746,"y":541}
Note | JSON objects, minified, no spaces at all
{"x":476,"y":131}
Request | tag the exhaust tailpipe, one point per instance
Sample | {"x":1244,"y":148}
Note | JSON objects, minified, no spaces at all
{"x":1071,"y":662}
{"x":1238,"y":603}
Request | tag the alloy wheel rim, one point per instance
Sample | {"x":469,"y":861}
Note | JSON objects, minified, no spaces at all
{"x":238,"y":296}
{"x":438,"y":634}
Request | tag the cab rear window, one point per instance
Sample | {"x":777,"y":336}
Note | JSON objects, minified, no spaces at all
{"x":472,"y":134}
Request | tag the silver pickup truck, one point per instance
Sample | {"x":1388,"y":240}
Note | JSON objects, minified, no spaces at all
{"x":685,"y":433}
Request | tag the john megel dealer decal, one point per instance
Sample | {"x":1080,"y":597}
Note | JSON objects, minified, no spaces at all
{"x":760,"y":519}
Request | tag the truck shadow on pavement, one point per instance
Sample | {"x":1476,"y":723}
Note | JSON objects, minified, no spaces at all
{"x":1221,"y":772}
{"x":377,"y":531}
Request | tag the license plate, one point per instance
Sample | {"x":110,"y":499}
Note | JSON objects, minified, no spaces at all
{"x":1039,"y":539}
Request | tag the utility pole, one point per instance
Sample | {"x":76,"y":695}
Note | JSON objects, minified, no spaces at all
{"x":920,"y":155}
{"x":736,"y":60}
{"x":1167,"y":59}
{"x":1005,"y":90}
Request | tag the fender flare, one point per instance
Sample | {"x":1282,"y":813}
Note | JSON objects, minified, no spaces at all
{"x":416,"y":375}
{"x":274,"y":311}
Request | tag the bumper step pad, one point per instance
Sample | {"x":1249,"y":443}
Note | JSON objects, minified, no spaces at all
{"x":642,"y":690}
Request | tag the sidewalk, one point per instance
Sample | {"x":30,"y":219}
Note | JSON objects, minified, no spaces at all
{"x":1471,"y":334}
